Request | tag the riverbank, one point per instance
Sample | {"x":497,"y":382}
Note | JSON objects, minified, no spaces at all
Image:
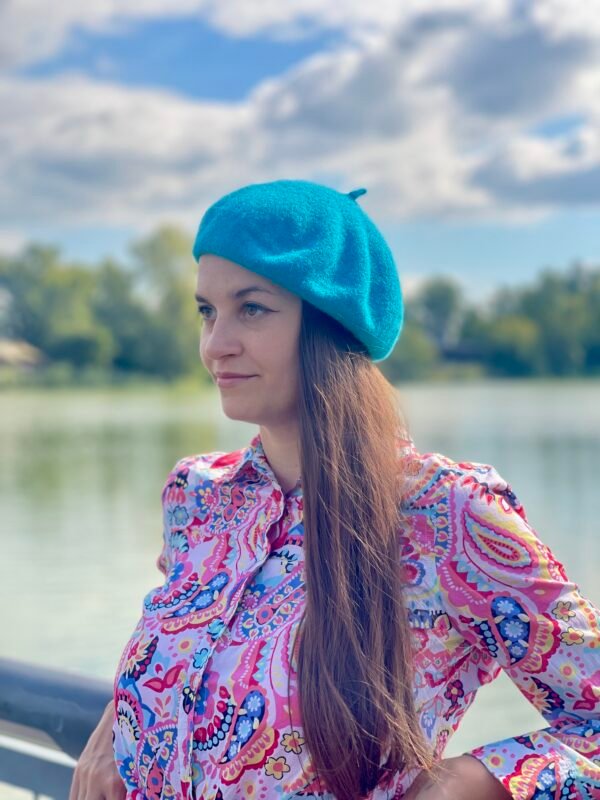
{"x":64,"y":376}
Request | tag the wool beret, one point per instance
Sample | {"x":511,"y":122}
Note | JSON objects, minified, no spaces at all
{"x":317,"y":243}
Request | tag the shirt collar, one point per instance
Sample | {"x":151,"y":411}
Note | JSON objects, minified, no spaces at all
{"x":253,"y":457}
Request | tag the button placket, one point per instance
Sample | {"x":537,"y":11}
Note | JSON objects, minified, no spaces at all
{"x":185,"y":722}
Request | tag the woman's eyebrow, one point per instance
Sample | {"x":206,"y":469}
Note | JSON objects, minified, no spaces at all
{"x":239,"y":293}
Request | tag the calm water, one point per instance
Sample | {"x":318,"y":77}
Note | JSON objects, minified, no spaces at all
{"x":81,"y":474}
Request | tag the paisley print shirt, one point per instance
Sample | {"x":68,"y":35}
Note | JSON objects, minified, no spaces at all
{"x":201,"y":690}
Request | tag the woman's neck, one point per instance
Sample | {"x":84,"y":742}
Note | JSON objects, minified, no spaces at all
{"x":283,"y":454}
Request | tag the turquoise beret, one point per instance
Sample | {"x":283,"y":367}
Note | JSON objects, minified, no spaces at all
{"x":317,"y":243}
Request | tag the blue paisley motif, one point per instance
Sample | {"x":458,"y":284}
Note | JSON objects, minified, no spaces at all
{"x":546,"y":784}
{"x":249,"y":716}
{"x":513,"y":624}
{"x":196,"y":599}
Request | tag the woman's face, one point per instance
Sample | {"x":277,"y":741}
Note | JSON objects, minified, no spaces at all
{"x":254,"y":334}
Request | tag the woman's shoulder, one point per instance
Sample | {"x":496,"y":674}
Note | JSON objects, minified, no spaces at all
{"x":430,"y":476}
{"x":447,"y":501}
{"x":212,"y":465}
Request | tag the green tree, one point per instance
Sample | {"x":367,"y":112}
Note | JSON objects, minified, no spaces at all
{"x":473,"y":335}
{"x":117,"y":306}
{"x":142,"y":317}
{"x":50,"y":307}
{"x":559,"y":307}
{"x":414,"y":357}
{"x":591,"y":335}
{"x":162,"y":260}
{"x":165,"y":266}
{"x":439,"y":307}
{"x":23,"y":278}
{"x":512,"y":346}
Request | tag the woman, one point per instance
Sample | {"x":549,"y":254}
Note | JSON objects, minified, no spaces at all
{"x":334,"y":598}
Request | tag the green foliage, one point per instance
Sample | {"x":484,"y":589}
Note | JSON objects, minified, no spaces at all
{"x":513,"y":346}
{"x":591,"y":335}
{"x":414,"y":357}
{"x":50,"y":307}
{"x":439,"y":308}
{"x":112,"y":322}
{"x":137,"y":319}
{"x":163,"y":263}
{"x":565,"y":312}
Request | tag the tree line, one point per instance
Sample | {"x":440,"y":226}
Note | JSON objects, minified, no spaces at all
{"x":113,"y":321}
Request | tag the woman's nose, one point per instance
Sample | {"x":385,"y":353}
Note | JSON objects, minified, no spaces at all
{"x":221,"y":340}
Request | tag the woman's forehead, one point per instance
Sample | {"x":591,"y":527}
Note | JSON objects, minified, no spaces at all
{"x":217,"y":273}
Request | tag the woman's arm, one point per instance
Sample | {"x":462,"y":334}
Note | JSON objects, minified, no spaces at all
{"x":510,"y":597}
{"x":96,"y":776}
{"x":458,"y":778}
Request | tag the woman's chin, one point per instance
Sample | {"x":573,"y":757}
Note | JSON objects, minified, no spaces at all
{"x":236,"y":413}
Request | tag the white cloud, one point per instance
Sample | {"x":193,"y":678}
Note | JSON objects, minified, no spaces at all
{"x":79,"y":151}
{"x":358,"y":19}
{"x":432,"y":110}
{"x":28,"y":33}
{"x":11,"y":242}
{"x":546,"y":175}
{"x":564,"y":18}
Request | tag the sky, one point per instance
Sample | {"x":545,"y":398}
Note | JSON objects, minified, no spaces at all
{"x":474,"y":127}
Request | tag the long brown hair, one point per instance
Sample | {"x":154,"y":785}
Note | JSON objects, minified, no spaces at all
{"x":355,"y":677}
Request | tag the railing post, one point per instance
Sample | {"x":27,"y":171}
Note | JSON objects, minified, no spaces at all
{"x":42,"y":707}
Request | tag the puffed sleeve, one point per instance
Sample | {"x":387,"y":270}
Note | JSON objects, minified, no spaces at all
{"x":162,"y":562}
{"x":508,"y":595}
{"x":170,"y":494}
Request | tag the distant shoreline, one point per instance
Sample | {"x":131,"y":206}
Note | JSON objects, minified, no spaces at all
{"x":86,"y":380}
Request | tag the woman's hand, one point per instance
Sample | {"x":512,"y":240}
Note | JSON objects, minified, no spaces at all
{"x":460,"y":777}
{"x":96,"y":776}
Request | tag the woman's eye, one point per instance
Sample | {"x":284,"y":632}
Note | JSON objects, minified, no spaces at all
{"x":255,"y":306}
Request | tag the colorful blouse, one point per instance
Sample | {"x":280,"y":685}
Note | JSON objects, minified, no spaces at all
{"x":201,"y":689}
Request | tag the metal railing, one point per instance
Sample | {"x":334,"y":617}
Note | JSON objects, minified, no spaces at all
{"x":46,"y":718}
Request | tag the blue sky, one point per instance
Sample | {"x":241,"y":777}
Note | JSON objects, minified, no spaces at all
{"x":475,"y":128}
{"x":183,"y":55}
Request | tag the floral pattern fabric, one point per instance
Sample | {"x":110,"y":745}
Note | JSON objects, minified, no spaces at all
{"x":206,"y":703}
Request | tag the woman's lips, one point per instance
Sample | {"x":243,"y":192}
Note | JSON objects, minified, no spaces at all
{"x":223,"y":382}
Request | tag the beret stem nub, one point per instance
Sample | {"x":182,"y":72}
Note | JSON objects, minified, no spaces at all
{"x":356,"y":193}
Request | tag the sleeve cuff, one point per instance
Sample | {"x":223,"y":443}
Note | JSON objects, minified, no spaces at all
{"x":536,"y":765}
